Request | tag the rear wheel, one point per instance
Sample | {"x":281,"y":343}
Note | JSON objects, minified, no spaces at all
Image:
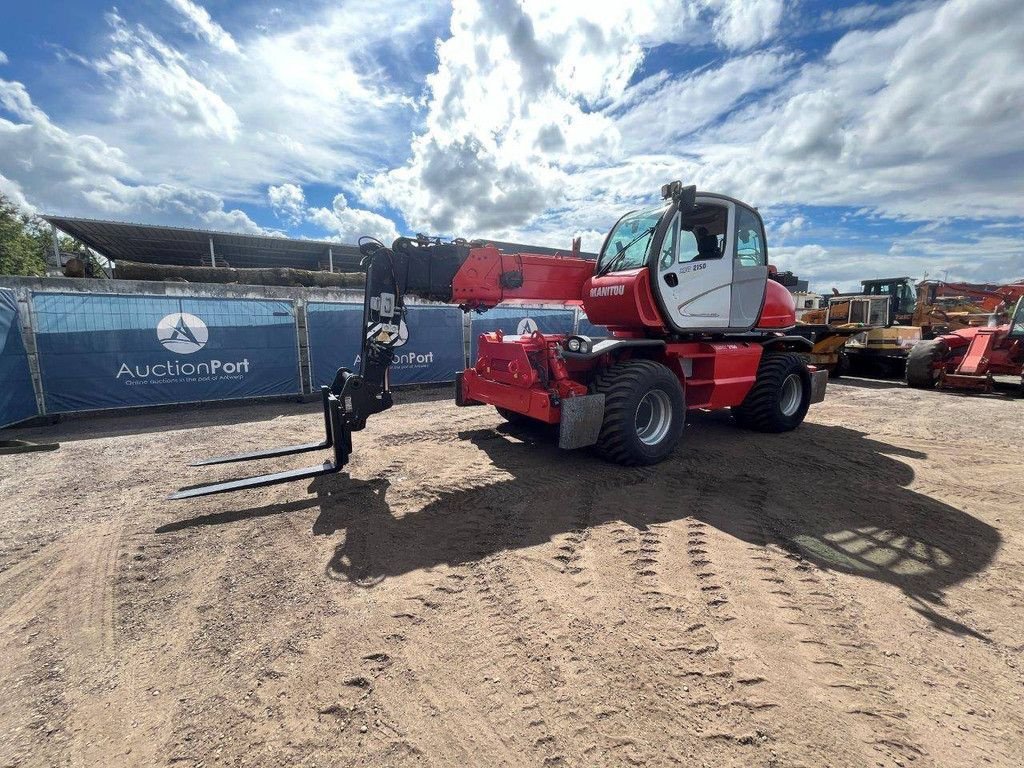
{"x":644,"y":412}
{"x":924,"y":361}
{"x":781,"y":394}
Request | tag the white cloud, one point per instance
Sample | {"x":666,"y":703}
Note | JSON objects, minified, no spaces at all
{"x":791,"y":226}
{"x":203,"y":26}
{"x":152,"y":79}
{"x":349,"y":224}
{"x":3,"y":58}
{"x":288,"y":202}
{"x":981,"y":258}
{"x":309,"y":100}
{"x":744,"y":24}
{"x":44,"y":167}
{"x":512,"y":107}
{"x":869,"y":13}
{"x":12,"y":192}
{"x":659,"y":111}
{"x":917,"y":120}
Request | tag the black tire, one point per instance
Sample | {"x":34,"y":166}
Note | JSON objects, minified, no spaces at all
{"x":921,"y":362}
{"x":644,"y":412}
{"x":841,"y":368}
{"x":768,"y":406}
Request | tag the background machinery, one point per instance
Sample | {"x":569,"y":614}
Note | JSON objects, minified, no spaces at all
{"x":683,"y":287}
{"x":944,"y":307}
{"x":869,"y":331}
{"x":970,"y":358}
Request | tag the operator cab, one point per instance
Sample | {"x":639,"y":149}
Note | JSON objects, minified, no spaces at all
{"x":1017,"y":320}
{"x":707,"y":257}
{"x":899,"y":292}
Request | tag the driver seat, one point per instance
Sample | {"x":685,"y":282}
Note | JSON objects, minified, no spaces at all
{"x":707,"y":245}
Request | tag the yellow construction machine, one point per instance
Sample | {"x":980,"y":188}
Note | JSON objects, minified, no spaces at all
{"x":869,"y":332}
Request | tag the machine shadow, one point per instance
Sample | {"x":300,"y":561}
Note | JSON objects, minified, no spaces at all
{"x":830,"y":495}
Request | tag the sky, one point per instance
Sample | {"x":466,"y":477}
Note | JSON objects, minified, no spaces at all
{"x":877,"y":140}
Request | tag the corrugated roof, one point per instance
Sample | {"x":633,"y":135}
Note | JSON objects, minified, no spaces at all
{"x":190,"y":247}
{"x":155,"y":244}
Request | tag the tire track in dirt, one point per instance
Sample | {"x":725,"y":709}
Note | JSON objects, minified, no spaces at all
{"x":533,"y":579}
{"x":68,"y":618}
{"x":816,"y":637}
{"x":657,"y":649}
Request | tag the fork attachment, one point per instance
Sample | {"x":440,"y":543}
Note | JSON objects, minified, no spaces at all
{"x":338,"y":436}
{"x":351,"y":398}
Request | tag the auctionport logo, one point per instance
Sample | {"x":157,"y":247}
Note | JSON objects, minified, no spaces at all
{"x":182,"y":333}
{"x":526,"y":326}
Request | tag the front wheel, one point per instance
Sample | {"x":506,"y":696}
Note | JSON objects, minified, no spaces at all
{"x":780,"y":397}
{"x":925,"y":362}
{"x":644,"y":412}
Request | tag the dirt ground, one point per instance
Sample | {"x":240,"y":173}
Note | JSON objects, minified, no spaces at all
{"x":849,"y":594}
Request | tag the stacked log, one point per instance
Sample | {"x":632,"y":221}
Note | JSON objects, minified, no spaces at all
{"x":286,"y":276}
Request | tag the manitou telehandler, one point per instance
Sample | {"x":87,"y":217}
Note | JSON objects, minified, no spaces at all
{"x":683,"y":288}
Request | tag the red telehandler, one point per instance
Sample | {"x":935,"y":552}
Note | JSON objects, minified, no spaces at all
{"x":968,"y":359}
{"x":684,"y":290}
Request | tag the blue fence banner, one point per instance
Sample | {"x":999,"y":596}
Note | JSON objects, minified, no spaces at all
{"x":520,"y":321}
{"x":112,"y":351}
{"x":17,"y":398}
{"x":587,"y":328}
{"x":433,"y":354}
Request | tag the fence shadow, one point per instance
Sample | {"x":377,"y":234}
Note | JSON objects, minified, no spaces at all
{"x":88,"y":425}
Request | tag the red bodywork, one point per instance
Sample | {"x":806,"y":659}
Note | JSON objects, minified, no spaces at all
{"x":779,"y":308}
{"x":478,"y":284}
{"x":530,"y":375}
{"x":978,"y":354}
{"x":623,"y":301}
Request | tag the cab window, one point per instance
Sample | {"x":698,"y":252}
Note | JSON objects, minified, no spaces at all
{"x":702,"y":233}
{"x":627,"y":245}
{"x":750,"y":250}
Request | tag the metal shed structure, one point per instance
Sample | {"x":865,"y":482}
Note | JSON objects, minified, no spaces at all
{"x":156,"y":244}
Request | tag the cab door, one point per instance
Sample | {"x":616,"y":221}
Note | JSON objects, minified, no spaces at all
{"x":749,"y":269}
{"x":695,"y":269}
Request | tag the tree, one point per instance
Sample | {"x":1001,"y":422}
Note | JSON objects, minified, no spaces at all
{"x":23,"y":241}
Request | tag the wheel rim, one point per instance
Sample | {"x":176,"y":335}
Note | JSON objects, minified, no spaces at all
{"x":792,"y":394}
{"x":653,"y":417}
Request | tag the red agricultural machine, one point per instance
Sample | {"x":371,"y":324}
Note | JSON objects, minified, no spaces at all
{"x":684,"y":289}
{"x":970,"y":358}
